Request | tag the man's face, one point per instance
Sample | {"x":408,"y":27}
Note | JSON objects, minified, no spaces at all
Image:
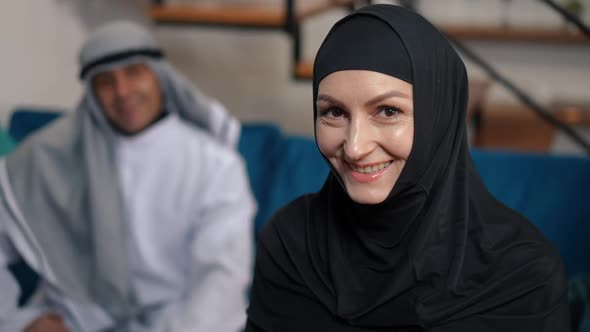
{"x":130,"y":97}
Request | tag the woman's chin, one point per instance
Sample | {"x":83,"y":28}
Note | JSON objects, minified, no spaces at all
{"x":368,"y":198}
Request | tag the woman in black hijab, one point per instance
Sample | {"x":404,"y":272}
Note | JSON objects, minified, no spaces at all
{"x":403,"y":236}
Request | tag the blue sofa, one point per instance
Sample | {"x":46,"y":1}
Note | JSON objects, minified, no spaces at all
{"x":552,"y":191}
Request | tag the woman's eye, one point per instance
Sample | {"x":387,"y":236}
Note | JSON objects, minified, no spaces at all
{"x":389,"y":111}
{"x":332,"y":113}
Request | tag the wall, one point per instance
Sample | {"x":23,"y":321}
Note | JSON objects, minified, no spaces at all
{"x":249,"y":71}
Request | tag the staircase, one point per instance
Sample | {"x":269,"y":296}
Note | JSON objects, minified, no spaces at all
{"x":287,"y":17}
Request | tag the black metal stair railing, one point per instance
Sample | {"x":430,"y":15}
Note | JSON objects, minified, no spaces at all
{"x":567,"y":15}
{"x":521,"y":95}
{"x":293,"y":29}
{"x":516,"y":91}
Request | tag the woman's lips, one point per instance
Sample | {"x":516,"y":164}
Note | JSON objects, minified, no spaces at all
{"x":368,"y":173}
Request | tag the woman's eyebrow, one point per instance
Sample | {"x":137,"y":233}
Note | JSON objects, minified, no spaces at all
{"x":333,"y":101}
{"x":386,"y":95}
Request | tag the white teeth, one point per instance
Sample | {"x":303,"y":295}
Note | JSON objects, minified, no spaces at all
{"x":371,"y":169}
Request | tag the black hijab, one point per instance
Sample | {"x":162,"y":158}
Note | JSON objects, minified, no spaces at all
{"x":440,"y":253}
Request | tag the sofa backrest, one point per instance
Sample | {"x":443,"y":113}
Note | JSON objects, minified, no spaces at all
{"x":552,"y":191}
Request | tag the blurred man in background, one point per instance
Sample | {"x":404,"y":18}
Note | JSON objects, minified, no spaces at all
{"x":135,"y":210}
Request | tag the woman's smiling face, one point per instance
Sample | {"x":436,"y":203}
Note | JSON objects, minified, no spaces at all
{"x":365,"y":128}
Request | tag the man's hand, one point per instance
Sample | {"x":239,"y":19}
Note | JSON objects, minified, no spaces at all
{"x":47,"y":323}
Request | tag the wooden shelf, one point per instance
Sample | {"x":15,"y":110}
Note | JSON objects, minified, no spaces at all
{"x":517,"y":127}
{"x":575,"y":114}
{"x":304,"y":70}
{"x":513,"y":127}
{"x":271,"y":16}
{"x":545,"y":35}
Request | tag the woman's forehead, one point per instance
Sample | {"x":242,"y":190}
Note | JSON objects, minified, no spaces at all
{"x":364,"y":81}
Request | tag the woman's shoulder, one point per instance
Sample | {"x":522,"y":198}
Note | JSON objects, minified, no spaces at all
{"x":528,"y":272}
{"x":522,"y":249}
{"x":288,"y":224}
{"x":287,"y":234}
{"x":526,"y":244}
{"x":281,"y":251}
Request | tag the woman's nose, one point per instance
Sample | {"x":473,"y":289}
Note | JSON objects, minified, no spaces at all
{"x":360,"y":140}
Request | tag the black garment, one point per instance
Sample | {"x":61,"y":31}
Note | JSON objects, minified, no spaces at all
{"x":440,"y":254}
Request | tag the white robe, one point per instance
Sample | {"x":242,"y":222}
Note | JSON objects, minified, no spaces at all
{"x":190,"y":237}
